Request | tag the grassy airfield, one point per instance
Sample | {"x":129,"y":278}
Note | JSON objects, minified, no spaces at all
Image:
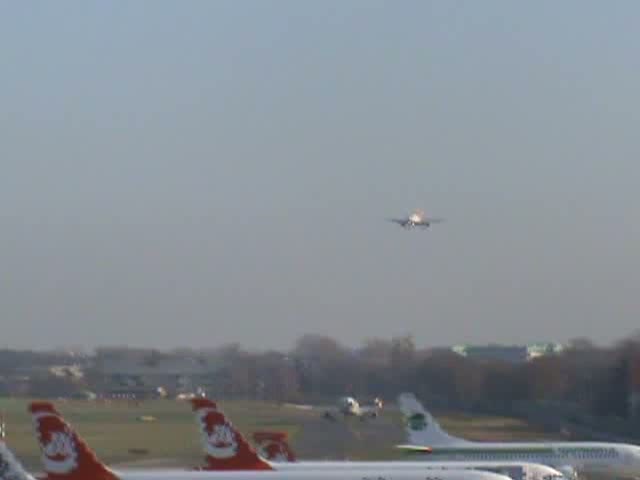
{"x":119,"y":436}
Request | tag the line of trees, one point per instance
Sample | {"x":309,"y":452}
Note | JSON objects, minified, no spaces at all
{"x":591,"y":380}
{"x":597,"y":381}
{"x":594,"y":380}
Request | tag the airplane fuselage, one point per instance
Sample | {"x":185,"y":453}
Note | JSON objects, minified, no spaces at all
{"x":514,"y":470}
{"x":594,"y":457}
{"x":366,"y":474}
{"x":414,"y":223}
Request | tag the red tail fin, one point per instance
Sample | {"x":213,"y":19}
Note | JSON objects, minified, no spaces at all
{"x":274,"y":446}
{"x":225,"y":447}
{"x":65,"y":456}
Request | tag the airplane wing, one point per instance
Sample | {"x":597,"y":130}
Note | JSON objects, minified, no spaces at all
{"x":298,"y":406}
{"x":433,"y":220}
{"x":399,"y":221}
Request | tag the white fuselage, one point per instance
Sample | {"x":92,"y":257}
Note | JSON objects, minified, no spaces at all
{"x":514,"y":470}
{"x":378,"y":474}
{"x":349,"y":406}
{"x":423,"y":430}
{"x":619,"y":458}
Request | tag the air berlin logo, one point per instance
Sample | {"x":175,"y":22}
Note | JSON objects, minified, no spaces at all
{"x":59,"y":453}
{"x":222,"y":442}
{"x":217,"y":434}
{"x":273,"y":450}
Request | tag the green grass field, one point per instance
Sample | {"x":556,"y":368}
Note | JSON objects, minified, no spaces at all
{"x":115,"y":431}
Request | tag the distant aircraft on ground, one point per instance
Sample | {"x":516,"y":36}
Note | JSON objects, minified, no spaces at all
{"x":350,"y":407}
{"x":417,"y":218}
{"x":571,"y":458}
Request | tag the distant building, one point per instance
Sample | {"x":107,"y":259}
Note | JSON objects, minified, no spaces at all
{"x":140,"y":373}
{"x":543,"y":349}
{"x":507,"y":353}
{"x":75,"y":372}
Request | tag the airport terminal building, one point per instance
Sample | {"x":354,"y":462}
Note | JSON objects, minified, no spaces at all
{"x":508,"y":353}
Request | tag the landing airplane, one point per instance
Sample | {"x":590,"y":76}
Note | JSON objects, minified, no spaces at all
{"x":65,"y":456}
{"x":571,"y":458}
{"x":350,"y":407}
{"x":211,"y":419}
{"x":417,"y":218}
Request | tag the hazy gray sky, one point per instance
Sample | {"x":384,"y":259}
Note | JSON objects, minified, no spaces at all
{"x":194,"y":173}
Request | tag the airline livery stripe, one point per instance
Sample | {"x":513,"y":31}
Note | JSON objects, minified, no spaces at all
{"x":494,"y":451}
{"x":527,"y":451}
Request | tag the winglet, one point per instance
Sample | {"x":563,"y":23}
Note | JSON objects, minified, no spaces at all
{"x":65,"y":456}
{"x":224,"y":445}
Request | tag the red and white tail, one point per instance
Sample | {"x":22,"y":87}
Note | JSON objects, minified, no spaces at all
{"x":225,"y":447}
{"x":274,"y":446}
{"x":65,"y":456}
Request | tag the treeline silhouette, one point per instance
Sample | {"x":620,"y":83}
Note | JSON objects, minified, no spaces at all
{"x":583,"y":382}
{"x":592,"y":387}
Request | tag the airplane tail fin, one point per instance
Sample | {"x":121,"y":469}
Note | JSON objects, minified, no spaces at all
{"x":224,"y":445}
{"x":10,"y":467}
{"x":421,"y":427}
{"x":65,"y":456}
{"x":274,"y":446}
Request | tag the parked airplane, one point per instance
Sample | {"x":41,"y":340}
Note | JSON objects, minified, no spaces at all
{"x":417,"y":218}
{"x":571,"y":458}
{"x":350,"y":407}
{"x":274,"y":446}
{"x":211,"y":419}
{"x":65,"y":456}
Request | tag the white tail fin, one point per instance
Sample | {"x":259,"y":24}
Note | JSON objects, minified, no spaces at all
{"x":421,"y":427}
{"x":224,"y":445}
{"x":65,"y":456}
{"x":274,"y":446}
{"x":10,"y":467}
